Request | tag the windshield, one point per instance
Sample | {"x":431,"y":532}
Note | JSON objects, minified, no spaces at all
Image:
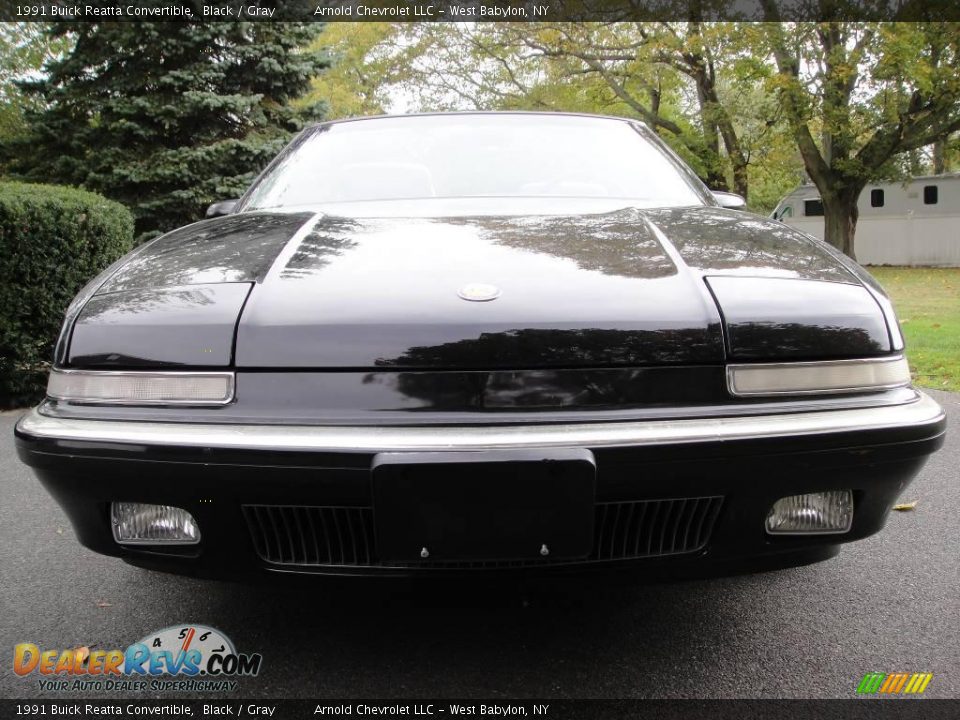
{"x":463,"y":156}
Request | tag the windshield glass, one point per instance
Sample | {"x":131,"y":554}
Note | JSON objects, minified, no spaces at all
{"x":460,"y":156}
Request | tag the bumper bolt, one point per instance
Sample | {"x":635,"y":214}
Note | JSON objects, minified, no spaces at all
{"x":424,"y":553}
{"x":544,"y":550}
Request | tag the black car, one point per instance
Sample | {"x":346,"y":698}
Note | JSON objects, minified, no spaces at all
{"x":474,"y":342}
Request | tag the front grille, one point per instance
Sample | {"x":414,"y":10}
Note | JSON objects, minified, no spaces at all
{"x":653,"y":527}
{"x":309,"y":536}
{"x":303,"y":535}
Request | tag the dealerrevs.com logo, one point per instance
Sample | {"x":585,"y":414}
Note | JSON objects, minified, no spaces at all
{"x":181,"y":657}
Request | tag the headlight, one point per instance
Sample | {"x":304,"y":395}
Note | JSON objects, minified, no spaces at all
{"x":814,"y":378}
{"x":140,"y":388}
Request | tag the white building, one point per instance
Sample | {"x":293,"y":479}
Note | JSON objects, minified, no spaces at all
{"x":916,"y":222}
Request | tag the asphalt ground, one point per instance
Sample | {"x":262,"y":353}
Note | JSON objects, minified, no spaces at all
{"x":889,"y":603}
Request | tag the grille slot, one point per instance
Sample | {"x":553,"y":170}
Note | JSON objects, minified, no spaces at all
{"x":651,"y":528}
{"x":306,"y":535}
{"x":313,"y":536}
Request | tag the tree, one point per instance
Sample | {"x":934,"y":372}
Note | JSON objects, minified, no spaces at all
{"x":24,"y":48}
{"x":693,"y":49}
{"x":693,"y":82}
{"x":168,"y":117}
{"x":364,"y":66}
{"x":870,"y":92}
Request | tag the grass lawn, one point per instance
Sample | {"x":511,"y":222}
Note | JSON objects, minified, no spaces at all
{"x":928,"y":305}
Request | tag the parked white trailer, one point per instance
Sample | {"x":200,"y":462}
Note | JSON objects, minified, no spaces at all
{"x":916,"y":222}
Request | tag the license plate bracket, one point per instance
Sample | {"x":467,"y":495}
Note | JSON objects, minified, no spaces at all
{"x":484,"y":505}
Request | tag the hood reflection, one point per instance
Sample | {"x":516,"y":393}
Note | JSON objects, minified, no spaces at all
{"x":108,"y":308}
{"x":582,"y":346}
{"x":554,"y":389}
{"x":236,"y":248}
{"x":618,"y":243}
{"x":172,"y":326}
{"x":713,"y":239}
{"x":330,"y":238}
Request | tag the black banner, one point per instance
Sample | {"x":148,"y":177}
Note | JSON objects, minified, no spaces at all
{"x":499,"y":709}
{"x":476,"y":10}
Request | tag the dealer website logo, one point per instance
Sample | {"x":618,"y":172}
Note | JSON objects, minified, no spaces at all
{"x":894,"y":683}
{"x":180,"y":657}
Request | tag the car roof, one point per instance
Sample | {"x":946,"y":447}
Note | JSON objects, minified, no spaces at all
{"x":459,"y":113}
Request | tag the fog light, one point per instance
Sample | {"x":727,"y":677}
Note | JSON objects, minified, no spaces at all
{"x":144,"y":524}
{"x":819,"y":513}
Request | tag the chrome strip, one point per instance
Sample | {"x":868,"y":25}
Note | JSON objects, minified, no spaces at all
{"x":924,"y":411}
{"x":733,"y":367}
{"x":226,"y":400}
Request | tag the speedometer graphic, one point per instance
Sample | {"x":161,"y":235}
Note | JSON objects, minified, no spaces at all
{"x":187,"y":645}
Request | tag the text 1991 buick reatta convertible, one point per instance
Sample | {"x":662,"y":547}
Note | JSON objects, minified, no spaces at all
{"x":477,"y":342}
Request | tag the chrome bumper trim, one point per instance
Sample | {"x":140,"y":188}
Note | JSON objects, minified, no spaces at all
{"x":924,"y":411}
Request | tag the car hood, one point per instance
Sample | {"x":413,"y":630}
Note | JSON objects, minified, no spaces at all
{"x":628,"y":287}
{"x":388,"y":292}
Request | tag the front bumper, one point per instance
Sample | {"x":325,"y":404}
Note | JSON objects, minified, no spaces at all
{"x":260,"y":492}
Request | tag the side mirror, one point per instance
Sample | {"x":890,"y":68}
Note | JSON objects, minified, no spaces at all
{"x":224,"y":207}
{"x":729,"y":200}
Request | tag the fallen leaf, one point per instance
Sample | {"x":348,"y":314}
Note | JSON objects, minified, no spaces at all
{"x":903,"y":507}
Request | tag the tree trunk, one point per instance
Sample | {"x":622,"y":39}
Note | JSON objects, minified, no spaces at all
{"x":741,"y":183}
{"x":940,"y":156}
{"x":738,"y":161}
{"x":711,"y":140}
{"x":840,"y":220}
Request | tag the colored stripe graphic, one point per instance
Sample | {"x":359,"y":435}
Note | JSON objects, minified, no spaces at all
{"x":871,"y":682}
{"x":918,"y":683}
{"x":894,"y":683}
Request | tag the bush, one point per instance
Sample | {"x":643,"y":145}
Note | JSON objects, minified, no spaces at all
{"x":52,"y":241}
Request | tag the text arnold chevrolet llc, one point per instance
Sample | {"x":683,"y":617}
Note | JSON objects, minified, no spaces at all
{"x":451,"y":709}
{"x":424,"y":10}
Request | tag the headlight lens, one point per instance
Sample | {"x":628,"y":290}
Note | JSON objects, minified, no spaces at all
{"x":141,"y":388}
{"x":812,"y":378}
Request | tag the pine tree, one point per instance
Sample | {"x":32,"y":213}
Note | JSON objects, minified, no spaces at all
{"x":169,"y":117}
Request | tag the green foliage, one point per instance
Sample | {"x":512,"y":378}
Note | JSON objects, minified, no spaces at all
{"x":24,"y":48}
{"x":857,"y":96}
{"x":168,"y":117}
{"x":363,"y":68}
{"x":52,"y":240}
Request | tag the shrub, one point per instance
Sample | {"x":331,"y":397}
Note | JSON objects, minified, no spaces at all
{"x":52,"y":240}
